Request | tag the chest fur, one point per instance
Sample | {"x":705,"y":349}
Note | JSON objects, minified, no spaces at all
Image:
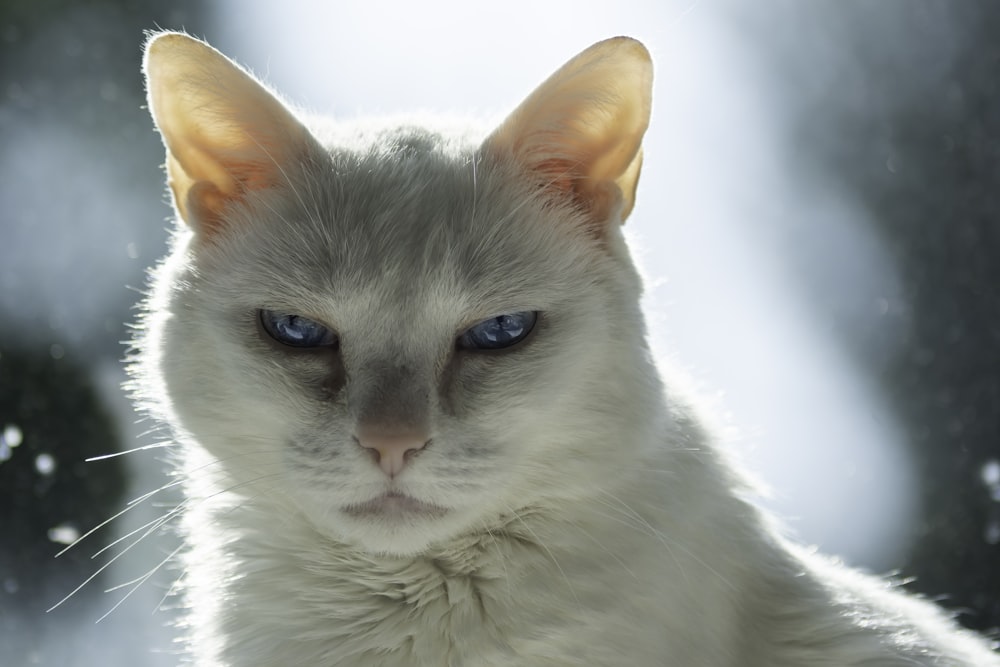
{"x":323,"y":604}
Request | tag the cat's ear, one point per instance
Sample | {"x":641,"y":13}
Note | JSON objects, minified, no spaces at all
{"x":581,"y":131}
{"x":225,"y":134}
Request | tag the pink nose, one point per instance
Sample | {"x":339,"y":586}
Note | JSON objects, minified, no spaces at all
{"x":392,"y":448}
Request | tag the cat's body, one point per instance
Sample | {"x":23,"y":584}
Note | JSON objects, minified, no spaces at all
{"x":417,"y":419}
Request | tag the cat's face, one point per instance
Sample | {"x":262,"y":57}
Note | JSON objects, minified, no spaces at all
{"x":397,"y":288}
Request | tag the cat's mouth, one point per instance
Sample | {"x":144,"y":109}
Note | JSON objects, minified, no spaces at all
{"x":394,"y":504}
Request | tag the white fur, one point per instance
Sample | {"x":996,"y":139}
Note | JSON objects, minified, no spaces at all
{"x":589,"y":519}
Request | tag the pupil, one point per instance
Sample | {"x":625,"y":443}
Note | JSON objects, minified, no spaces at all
{"x":508,"y":326}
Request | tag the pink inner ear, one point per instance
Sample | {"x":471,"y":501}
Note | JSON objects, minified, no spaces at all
{"x":255,"y":176}
{"x":580,"y":131}
{"x":203,"y":206}
{"x":211,"y":180}
{"x":226,"y":134}
{"x":208,"y":203}
{"x":599,"y":200}
{"x":558,"y":174}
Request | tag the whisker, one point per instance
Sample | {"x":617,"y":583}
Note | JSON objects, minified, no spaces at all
{"x":101,"y":569}
{"x":548,"y":551}
{"x":500,"y":558}
{"x":150,"y":494}
{"x":104,"y":457}
{"x":663,"y":539}
{"x":137,"y":583}
{"x":604,"y":548}
{"x":640,"y":522}
{"x":93,"y":530}
{"x":160,"y":520}
{"x":142,"y":498}
{"x":150,"y":528}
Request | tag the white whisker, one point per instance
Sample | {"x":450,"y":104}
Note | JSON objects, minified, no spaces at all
{"x":104,"y":457}
{"x":137,"y":583}
{"x":541,"y":544}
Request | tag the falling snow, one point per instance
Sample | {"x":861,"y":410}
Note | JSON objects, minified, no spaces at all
{"x":64,"y":534}
{"x":12,"y":435}
{"x":45,"y":464}
{"x":10,"y":438}
{"x":991,"y":473}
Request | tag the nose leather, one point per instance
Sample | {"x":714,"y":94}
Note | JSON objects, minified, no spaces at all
{"x":392,"y":448}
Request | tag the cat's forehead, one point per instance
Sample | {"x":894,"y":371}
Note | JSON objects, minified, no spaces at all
{"x":415,"y":219}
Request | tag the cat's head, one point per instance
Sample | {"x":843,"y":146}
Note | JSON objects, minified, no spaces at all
{"x":401,"y":335}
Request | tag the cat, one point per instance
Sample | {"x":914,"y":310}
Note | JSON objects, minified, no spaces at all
{"x":415,"y":412}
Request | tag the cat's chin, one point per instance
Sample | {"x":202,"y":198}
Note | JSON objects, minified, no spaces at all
{"x":390,"y":523}
{"x":393,"y":506}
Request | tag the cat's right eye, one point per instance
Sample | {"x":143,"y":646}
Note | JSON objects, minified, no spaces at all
{"x":499,"y":332}
{"x":296,"y":331}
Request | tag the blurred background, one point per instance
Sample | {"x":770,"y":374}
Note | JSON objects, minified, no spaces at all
{"x":816,"y":220}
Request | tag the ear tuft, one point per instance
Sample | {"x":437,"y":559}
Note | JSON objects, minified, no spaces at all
{"x":225,"y":133}
{"x":580,"y":132}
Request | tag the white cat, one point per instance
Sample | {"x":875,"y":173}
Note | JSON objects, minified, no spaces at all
{"x":417,"y":417}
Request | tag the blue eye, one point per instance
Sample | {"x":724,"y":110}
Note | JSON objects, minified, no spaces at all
{"x":296,"y":331}
{"x":499,"y":332}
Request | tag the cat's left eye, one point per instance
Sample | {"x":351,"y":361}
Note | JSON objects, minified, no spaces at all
{"x":296,"y":331}
{"x":499,"y":332}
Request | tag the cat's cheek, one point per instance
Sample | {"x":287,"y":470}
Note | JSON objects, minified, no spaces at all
{"x":477,"y":382}
{"x":213,"y":391}
{"x":504,"y":393}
